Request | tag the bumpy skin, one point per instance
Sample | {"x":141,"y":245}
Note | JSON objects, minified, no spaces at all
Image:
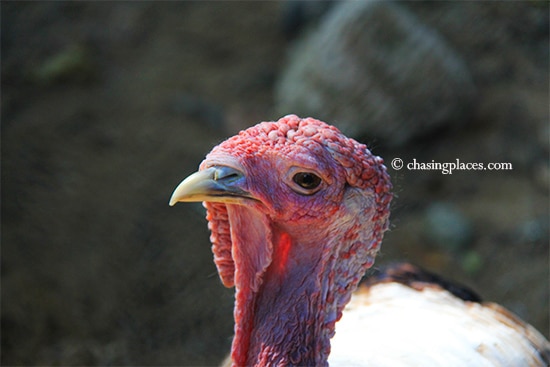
{"x":295,"y":258}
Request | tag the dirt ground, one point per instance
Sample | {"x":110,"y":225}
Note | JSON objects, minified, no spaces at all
{"x":106,"y":106}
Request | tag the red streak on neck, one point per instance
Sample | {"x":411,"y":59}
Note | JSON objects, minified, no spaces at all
{"x":282,"y":251}
{"x":252,"y":306}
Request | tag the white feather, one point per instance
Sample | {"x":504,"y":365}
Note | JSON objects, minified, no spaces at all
{"x":394,"y":325}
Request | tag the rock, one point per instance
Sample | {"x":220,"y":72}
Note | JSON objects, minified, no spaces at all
{"x":298,"y":14}
{"x":533,"y":231}
{"x":373,"y":69}
{"x":446,"y":227}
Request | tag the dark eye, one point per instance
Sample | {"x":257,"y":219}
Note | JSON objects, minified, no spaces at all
{"x":307,"y":180}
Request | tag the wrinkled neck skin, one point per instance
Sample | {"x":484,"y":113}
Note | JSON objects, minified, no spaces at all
{"x":285,"y":316}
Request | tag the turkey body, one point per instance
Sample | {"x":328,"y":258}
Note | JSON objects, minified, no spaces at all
{"x":404,"y":321}
{"x":297,"y":213}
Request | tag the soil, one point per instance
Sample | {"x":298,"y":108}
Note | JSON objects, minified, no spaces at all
{"x":106,"y":106}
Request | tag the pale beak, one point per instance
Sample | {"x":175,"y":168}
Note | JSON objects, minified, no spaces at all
{"x":215,"y":184}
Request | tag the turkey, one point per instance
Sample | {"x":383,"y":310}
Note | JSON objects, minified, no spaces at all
{"x":297,"y":212}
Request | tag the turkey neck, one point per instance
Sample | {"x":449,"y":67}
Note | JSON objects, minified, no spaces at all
{"x":290,"y":319}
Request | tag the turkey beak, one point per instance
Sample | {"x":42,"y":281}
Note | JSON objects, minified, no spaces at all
{"x":221,"y":184}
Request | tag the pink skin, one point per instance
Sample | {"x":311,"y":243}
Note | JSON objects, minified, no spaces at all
{"x":295,"y":256}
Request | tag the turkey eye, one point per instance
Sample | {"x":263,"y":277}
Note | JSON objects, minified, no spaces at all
{"x":307,"y":180}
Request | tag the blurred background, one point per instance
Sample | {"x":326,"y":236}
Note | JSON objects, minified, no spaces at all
{"x":106,"y":106}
